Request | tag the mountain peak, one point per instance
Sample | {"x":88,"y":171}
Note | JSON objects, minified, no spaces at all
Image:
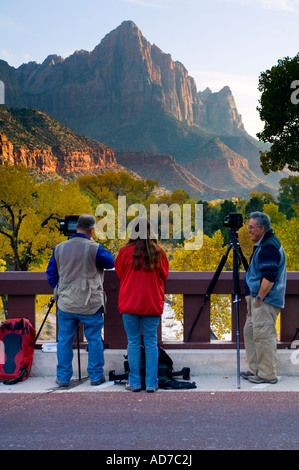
{"x":124,"y":76}
{"x":129,"y":24}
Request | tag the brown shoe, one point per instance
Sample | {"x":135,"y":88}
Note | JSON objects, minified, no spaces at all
{"x":98,"y":382}
{"x":246,"y":374}
{"x":258,"y":380}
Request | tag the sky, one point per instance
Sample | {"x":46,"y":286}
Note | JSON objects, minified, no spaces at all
{"x":220,"y":42}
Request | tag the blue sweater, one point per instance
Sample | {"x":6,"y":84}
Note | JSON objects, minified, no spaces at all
{"x":267,"y":261}
{"x":104,"y":259}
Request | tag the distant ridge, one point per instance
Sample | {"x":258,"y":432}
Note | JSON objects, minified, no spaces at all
{"x":34,"y":139}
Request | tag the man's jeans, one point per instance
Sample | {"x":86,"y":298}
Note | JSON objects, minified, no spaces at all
{"x":132,"y":324}
{"x":67,"y":327}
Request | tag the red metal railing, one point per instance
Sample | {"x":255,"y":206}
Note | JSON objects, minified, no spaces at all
{"x":22,"y":288}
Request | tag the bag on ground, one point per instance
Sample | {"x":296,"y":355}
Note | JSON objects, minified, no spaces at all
{"x":17,"y":340}
{"x":166,"y":373}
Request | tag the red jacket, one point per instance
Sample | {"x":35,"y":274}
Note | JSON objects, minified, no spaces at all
{"x":141,"y":292}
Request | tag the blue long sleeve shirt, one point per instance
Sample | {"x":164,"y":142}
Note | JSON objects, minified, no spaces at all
{"x":104,"y":259}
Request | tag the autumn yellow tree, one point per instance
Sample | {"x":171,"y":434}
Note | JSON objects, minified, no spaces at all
{"x":288,"y":233}
{"x":205,"y":259}
{"x":29,"y":215}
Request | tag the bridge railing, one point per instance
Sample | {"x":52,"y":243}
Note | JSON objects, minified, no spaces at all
{"x":21,"y":289}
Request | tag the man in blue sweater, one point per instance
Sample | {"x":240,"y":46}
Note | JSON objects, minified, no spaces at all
{"x":265,"y":284}
{"x":76,"y":271}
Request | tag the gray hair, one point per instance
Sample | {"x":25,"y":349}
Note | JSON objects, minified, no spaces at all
{"x":86,"y":222}
{"x":263,"y":220}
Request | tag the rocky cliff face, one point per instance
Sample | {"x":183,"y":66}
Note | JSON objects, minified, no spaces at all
{"x":56,"y":160}
{"x":34,"y":139}
{"x":221,"y":112}
{"x":174,"y":176}
{"x":226,"y":169}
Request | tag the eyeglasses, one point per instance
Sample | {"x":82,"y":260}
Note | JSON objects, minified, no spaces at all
{"x":253,"y":227}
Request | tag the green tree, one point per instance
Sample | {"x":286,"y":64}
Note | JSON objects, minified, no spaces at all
{"x":288,"y":197}
{"x":257,"y":201}
{"x":280,"y":112}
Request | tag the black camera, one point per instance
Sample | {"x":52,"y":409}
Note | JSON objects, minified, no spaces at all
{"x":68,"y":225}
{"x":233,"y":221}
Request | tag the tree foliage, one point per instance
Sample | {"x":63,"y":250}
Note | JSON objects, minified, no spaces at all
{"x":279,"y":109}
{"x":29,"y":228}
{"x":205,"y":259}
{"x":29,"y":214}
{"x":107,"y":187}
{"x":288,"y":197}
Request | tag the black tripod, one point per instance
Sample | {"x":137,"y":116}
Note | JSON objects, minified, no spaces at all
{"x":50,"y":305}
{"x":238,"y":258}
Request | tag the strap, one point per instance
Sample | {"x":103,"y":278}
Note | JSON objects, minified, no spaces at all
{"x":16,"y":380}
{"x":84,"y":282}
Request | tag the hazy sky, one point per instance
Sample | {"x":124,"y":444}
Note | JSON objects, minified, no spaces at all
{"x":220,"y":42}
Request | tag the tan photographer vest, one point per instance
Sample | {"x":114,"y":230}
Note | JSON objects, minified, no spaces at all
{"x":80,"y":286}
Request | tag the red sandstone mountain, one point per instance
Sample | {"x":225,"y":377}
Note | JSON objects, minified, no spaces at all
{"x":32,"y":138}
{"x":129,"y":94}
{"x":123,"y":77}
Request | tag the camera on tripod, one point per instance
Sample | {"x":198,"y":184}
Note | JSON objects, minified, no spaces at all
{"x":68,"y":225}
{"x":233,"y":221}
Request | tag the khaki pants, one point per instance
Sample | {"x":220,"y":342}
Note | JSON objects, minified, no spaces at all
{"x":260,"y":338}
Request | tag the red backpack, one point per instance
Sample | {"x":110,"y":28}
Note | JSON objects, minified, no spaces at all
{"x":17,"y":340}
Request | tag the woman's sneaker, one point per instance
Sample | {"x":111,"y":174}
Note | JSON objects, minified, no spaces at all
{"x":152,"y":390}
{"x":131,"y":389}
{"x":258,"y":380}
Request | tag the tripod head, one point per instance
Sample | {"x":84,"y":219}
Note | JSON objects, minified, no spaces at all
{"x":233,"y":221}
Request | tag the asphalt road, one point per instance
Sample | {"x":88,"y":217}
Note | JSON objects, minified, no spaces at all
{"x":175,"y":422}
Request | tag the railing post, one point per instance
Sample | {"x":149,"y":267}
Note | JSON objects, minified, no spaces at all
{"x":22,"y":306}
{"x":289,"y":317}
{"x":201,"y":332}
{"x":114,"y":332}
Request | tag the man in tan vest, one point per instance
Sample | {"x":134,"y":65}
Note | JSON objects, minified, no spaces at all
{"x":75,"y":270}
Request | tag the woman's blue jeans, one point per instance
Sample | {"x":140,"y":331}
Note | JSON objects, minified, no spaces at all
{"x":67,"y":327}
{"x":149,"y":323}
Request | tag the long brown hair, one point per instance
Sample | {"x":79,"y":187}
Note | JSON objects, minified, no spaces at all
{"x":146,"y":253}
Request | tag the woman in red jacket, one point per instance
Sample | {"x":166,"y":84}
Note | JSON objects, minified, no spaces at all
{"x":142,"y":268}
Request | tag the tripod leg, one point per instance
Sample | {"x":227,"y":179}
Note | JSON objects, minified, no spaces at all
{"x":52,"y":302}
{"x":210,"y":289}
{"x":297,"y":331}
{"x":236,"y":301}
{"x":78,"y":352}
{"x":238,"y":340}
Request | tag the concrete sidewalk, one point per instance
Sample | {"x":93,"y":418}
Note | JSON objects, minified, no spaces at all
{"x":211,"y":370}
